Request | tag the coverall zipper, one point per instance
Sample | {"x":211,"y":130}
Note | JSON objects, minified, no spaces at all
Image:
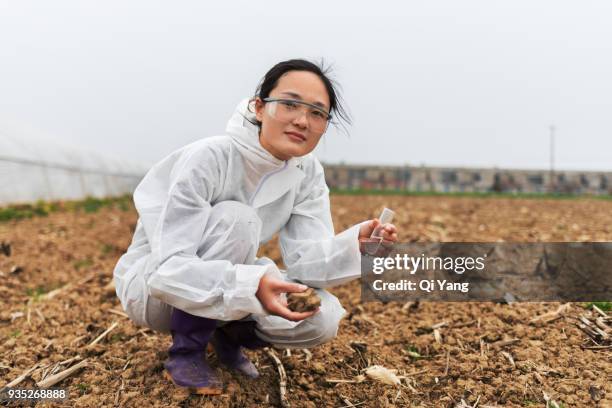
{"x":263,"y":179}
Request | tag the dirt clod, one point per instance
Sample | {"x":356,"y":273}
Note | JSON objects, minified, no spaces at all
{"x":5,"y":248}
{"x":304,"y":301}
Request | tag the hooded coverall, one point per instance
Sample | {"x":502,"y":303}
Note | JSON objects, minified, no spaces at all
{"x":204,"y":210}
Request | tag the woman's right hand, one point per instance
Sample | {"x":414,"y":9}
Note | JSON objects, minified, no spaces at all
{"x":269,"y":295}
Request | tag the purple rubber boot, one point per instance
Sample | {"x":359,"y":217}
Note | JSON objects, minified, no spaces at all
{"x":227,"y":342}
{"x":186,"y":365}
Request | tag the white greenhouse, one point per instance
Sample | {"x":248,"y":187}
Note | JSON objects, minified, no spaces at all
{"x":33,"y":170}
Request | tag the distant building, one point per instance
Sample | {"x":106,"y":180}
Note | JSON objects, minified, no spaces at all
{"x":447,"y":179}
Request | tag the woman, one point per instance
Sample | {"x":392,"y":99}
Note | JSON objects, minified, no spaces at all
{"x":203,"y":211}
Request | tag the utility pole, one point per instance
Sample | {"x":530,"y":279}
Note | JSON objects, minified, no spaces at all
{"x":552,"y":159}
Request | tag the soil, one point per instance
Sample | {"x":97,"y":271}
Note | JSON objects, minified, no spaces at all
{"x":55,"y":300}
{"x":303,"y":301}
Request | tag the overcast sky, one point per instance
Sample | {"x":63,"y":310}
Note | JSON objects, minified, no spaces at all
{"x":451,"y":83}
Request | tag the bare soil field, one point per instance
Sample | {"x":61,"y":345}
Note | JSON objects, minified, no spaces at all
{"x":57,"y":307}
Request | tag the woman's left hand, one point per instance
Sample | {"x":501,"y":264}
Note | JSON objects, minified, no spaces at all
{"x":388,"y":233}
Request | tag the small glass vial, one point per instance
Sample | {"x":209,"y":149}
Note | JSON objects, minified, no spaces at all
{"x":385,"y":217}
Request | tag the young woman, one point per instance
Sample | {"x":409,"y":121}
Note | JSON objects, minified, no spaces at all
{"x":203,"y":211}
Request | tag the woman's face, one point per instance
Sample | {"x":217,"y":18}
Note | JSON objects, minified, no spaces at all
{"x":299,"y":136}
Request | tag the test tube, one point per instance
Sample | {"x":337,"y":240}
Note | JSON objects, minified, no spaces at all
{"x":385,"y":217}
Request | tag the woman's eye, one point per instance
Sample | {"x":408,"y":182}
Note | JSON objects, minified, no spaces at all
{"x":319,"y":114}
{"x":289,"y":104}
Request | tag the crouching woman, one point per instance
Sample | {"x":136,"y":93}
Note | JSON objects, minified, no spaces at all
{"x":192,"y":269}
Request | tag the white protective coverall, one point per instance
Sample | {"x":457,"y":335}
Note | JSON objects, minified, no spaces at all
{"x":203,"y":212}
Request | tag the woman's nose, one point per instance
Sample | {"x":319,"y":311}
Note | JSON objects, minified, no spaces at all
{"x":301,"y":120}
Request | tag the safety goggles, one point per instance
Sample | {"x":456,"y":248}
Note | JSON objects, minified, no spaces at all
{"x":287,"y":110}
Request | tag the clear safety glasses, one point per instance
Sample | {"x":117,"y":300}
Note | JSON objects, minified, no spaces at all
{"x":287,"y":110}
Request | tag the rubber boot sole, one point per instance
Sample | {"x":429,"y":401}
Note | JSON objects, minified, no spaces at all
{"x":196,"y":390}
{"x":211,"y":349}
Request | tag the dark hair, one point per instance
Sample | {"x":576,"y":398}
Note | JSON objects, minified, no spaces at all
{"x":338,"y":113}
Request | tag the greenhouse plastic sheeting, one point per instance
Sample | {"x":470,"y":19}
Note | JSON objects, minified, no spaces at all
{"x":33,"y":170}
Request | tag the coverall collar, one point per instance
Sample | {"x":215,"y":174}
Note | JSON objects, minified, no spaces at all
{"x":280,"y":176}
